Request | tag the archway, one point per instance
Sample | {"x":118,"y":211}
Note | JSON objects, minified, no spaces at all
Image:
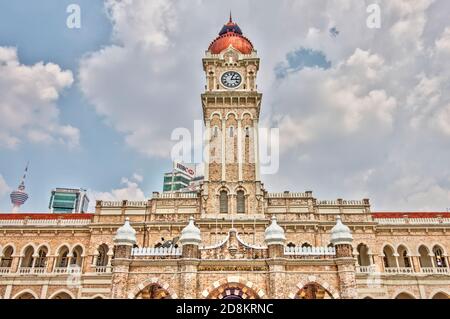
{"x":154,"y":291}
{"x":404,"y":295}
{"x":25,"y":295}
{"x":233,"y":291}
{"x":313,"y":291}
{"x":62,"y":295}
{"x":441,"y":295}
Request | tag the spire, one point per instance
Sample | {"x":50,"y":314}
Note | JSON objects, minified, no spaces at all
{"x":22,"y":183}
{"x":231,"y":18}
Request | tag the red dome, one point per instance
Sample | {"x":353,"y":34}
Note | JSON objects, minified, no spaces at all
{"x":231,"y":34}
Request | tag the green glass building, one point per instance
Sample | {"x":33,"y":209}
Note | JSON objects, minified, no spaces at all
{"x":68,"y":200}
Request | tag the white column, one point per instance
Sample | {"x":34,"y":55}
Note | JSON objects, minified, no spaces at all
{"x":207,"y":149}
{"x":239,"y":137}
{"x":256,"y":148}
{"x":223,"y":155}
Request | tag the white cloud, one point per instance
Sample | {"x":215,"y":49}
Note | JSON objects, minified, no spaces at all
{"x":27,"y":104}
{"x":138,"y":178}
{"x":4,"y":188}
{"x":130,"y":191}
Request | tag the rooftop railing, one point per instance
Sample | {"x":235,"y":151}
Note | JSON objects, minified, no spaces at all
{"x":309,"y":251}
{"x":159,"y":251}
{"x":44,"y":222}
{"x":417,"y":221}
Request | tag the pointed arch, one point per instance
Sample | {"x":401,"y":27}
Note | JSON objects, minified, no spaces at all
{"x":404,"y":295}
{"x":333,"y":292}
{"x":26,"y":294}
{"x":233,"y":285}
{"x":63,"y":293}
{"x":149,"y":282}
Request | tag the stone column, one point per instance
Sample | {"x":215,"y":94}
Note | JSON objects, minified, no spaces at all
{"x":346,"y":271}
{"x":121,"y":268}
{"x":188,"y":278}
{"x":277,"y":278}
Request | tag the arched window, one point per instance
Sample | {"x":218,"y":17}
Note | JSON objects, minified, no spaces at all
{"x":6,"y":260}
{"x":403,"y":260}
{"x":439,"y":257}
{"x":41,"y":260}
{"x":290,"y":244}
{"x":76,"y":259}
{"x":102,"y":258}
{"x":240,"y":196}
{"x":363,"y":255}
{"x":63,"y":260}
{"x":424,"y":258}
{"x":306,"y":245}
{"x":27,"y":259}
{"x":215,"y":131}
{"x":389,"y":258}
{"x":223,"y":202}
{"x":231,"y":131}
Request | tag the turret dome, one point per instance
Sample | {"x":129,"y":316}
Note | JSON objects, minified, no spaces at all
{"x":274,"y":234}
{"x":340,"y":233}
{"x":125,"y":234}
{"x":190,"y":234}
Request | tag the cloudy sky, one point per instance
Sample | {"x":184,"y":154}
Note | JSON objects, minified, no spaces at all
{"x":362,"y":112}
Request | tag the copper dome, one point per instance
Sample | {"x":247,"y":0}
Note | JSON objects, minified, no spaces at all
{"x":231,"y":34}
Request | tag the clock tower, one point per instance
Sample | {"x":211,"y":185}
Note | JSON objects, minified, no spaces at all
{"x":231,"y":107}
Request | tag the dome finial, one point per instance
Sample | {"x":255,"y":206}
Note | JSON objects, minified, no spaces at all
{"x":340,"y":233}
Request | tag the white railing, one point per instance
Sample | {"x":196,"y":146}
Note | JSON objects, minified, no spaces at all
{"x":39,"y":270}
{"x":5,"y":270}
{"x":11,"y":222}
{"x":399,"y":270}
{"x":127,"y":203}
{"x":102,"y":269}
{"x":67,"y":270}
{"x":32,"y":270}
{"x":310,"y":251}
{"x":404,"y":220}
{"x":434,"y":270}
{"x":366,"y":269}
{"x":44,"y":222}
{"x":342,"y":202}
{"x":160,"y":251}
{"x":237,"y":217}
{"x":175,"y":195}
{"x":292,"y":195}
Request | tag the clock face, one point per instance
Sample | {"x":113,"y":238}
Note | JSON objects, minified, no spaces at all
{"x":231,"y":79}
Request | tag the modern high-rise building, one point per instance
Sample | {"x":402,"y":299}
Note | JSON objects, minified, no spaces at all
{"x":179,"y":179}
{"x":68,"y":200}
